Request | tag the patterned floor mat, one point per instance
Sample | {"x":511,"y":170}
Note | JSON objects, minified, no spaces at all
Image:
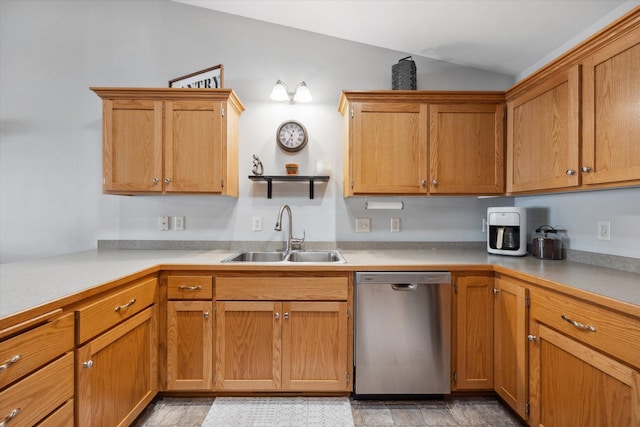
{"x":280,"y":411}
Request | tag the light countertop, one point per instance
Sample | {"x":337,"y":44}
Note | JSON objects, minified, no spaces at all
{"x":29,"y":284}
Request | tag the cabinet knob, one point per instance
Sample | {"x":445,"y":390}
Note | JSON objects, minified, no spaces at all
{"x":87,"y":364}
{"x":286,"y":315}
{"x":276,"y":315}
{"x":532,"y":338}
{"x":156,"y":180}
{"x":435,"y":182}
{"x":167,"y":180}
{"x":496,"y":291}
{"x":571,"y":172}
{"x":586,"y":169}
{"x":423,"y":182}
{"x":206,"y":314}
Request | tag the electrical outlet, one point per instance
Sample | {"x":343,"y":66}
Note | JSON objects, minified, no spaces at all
{"x":178,"y":223}
{"x":163,"y":223}
{"x":363,"y":225}
{"x":604,"y":230}
{"x":395,"y":225}
{"x":256,"y":223}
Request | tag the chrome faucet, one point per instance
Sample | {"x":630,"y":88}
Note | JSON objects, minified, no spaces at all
{"x":291,"y":241}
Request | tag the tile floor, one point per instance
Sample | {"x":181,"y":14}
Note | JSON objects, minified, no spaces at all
{"x":468,"y":411}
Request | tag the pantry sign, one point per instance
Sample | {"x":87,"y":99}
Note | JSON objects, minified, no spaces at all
{"x":211,"y":78}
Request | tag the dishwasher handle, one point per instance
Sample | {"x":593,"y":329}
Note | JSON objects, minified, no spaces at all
{"x":404,"y":286}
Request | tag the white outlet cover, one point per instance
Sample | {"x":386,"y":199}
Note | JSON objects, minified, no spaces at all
{"x":395,"y":225}
{"x":604,"y":230}
{"x":363,"y":225}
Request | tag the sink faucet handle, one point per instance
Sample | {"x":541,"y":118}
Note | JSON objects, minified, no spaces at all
{"x":296,"y":241}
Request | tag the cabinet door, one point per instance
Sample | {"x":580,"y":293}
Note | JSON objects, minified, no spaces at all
{"x":510,"y":344}
{"x":189,"y":345}
{"x":314,"y":346}
{"x":543,"y":135}
{"x":132,"y":146}
{"x":248,"y":345}
{"x":474,"y":333}
{"x":574,"y":385}
{"x":611,"y":112}
{"x":389,"y":148}
{"x":193,"y":146}
{"x":116,"y":372}
{"x":466,"y":149}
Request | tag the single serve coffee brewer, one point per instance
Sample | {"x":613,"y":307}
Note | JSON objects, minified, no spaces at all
{"x":507,"y":231}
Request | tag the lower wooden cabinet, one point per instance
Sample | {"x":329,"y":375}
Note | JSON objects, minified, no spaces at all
{"x":575,"y":385}
{"x":510,"y":357}
{"x":34,"y":397}
{"x":190,"y":345}
{"x":472,"y":353}
{"x":116,"y":372}
{"x":273,"y":345}
{"x":285,"y":332}
{"x":584,"y":367}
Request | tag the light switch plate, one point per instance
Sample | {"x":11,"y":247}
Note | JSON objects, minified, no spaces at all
{"x":178,"y":223}
{"x":363,"y":225}
{"x":256,"y":223}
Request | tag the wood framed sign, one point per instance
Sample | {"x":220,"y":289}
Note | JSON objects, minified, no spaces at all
{"x":210,"y":78}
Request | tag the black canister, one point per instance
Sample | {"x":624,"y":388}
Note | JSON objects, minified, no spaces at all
{"x":546,"y":243}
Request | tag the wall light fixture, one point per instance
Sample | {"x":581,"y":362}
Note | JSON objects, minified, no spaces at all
{"x":281,"y":92}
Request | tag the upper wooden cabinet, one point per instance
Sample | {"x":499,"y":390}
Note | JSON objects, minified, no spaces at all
{"x":611,"y":113}
{"x":416,"y":142}
{"x":543,"y":135}
{"x":466,"y":148}
{"x":574,"y":123}
{"x":170,"y":140}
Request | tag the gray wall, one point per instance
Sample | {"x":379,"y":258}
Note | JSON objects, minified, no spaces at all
{"x":50,"y":125}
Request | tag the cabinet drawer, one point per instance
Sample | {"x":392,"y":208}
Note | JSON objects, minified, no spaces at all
{"x":190,"y":287}
{"x":32,"y":349}
{"x":615,"y":333}
{"x":39,"y":394}
{"x":62,"y":417}
{"x":282,"y":288}
{"x":108,"y":311}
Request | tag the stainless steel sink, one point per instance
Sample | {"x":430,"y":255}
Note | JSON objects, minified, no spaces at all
{"x":331,"y":256}
{"x":251,"y":256}
{"x":316,"y":256}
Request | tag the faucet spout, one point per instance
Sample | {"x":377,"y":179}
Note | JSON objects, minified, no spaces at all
{"x":278,"y":226}
{"x":290,"y":239}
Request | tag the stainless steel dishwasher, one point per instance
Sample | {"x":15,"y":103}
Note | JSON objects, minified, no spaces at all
{"x":402,"y":333}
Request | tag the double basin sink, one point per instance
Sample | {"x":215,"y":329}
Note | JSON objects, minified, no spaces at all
{"x":330,"y":256}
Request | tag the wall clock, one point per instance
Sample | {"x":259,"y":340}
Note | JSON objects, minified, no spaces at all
{"x":292,"y":136}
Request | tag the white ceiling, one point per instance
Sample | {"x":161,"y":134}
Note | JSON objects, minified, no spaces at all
{"x":504,"y":36}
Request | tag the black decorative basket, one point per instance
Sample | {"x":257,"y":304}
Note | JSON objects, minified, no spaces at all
{"x":403,"y":75}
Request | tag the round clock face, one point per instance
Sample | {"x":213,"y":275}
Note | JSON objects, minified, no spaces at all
{"x":292,"y":136}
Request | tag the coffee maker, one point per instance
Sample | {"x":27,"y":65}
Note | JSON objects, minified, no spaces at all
{"x":507,"y":231}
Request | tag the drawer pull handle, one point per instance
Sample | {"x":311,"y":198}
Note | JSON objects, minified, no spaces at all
{"x":9,"y":417}
{"x":190,"y":288}
{"x":578,"y":324}
{"x":10,"y":362}
{"x":127,"y":305}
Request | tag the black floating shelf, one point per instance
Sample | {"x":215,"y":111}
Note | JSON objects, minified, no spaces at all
{"x":291,"y":178}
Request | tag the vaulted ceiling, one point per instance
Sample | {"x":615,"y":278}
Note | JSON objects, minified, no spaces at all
{"x":504,"y":36}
